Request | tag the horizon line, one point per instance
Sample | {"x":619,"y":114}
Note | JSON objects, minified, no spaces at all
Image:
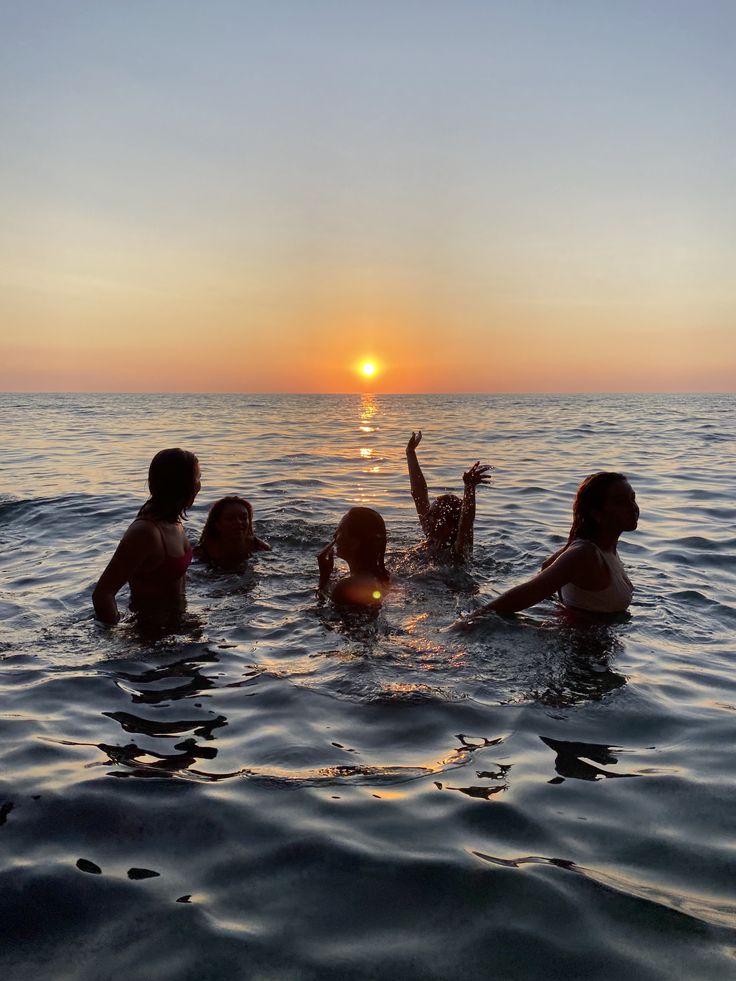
{"x":90,"y":391}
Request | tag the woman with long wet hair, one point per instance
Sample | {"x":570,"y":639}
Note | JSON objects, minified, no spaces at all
{"x":228,"y":539}
{"x":154,"y":553}
{"x":586,"y":571}
{"x":360,"y":540}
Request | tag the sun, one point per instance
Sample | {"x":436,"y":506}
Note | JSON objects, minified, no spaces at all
{"x":368,"y":369}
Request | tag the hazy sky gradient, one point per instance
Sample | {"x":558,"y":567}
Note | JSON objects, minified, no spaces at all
{"x":483,"y":196}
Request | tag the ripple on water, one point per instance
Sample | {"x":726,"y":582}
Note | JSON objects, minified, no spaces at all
{"x":268,"y":788}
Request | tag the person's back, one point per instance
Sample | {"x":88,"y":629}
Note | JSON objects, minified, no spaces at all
{"x":361,"y":541}
{"x":168,"y":554}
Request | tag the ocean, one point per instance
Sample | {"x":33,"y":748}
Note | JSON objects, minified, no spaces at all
{"x":276,"y":792}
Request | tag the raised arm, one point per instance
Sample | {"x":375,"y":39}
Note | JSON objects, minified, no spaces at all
{"x":326,"y":562}
{"x":416,"y":477}
{"x":463,"y":546}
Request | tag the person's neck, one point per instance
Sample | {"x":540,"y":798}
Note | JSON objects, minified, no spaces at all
{"x":606,"y":540}
{"x":360,"y":567}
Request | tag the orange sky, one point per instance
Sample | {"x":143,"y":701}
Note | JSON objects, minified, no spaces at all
{"x":494,"y":198}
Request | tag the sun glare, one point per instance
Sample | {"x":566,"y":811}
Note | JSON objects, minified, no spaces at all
{"x":368,"y":369}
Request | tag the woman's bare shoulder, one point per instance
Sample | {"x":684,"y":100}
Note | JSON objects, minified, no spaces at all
{"x":582,"y":554}
{"x":359,"y":591}
{"x":140,"y":531}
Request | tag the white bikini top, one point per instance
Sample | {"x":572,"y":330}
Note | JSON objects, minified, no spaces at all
{"x":615,"y":598}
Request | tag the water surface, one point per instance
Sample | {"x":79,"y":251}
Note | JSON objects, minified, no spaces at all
{"x":373,"y":799}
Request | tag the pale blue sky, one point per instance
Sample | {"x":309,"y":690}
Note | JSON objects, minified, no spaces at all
{"x":490,"y":173}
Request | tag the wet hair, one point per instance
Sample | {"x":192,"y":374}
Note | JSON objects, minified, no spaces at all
{"x":368,"y":528}
{"x":445,"y":508}
{"x":172,"y":478}
{"x":210,"y":532}
{"x":590,"y":497}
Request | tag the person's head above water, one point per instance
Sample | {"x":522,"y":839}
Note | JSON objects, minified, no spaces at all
{"x":443,"y":518}
{"x":361,"y":541}
{"x":229,"y":518}
{"x":605,"y":502}
{"x":173,"y":480}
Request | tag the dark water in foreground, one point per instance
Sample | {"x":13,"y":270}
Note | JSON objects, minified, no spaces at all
{"x":272,"y":793}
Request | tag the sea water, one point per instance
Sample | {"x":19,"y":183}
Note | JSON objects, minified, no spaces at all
{"x":274,"y":791}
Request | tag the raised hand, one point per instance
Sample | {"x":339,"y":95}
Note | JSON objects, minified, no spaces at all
{"x":326,"y":562}
{"x":414,"y":440}
{"x":478,"y":474}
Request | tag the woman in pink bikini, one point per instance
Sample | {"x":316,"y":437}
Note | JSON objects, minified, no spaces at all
{"x":154,"y":553}
{"x":586,"y":571}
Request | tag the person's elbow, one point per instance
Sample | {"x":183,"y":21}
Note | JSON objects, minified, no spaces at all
{"x":104,"y":605}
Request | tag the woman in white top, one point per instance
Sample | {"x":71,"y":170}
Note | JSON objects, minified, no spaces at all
{"x":586,"y":571}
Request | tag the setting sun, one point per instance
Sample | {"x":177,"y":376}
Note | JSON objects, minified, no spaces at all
{"x":368,"y":369}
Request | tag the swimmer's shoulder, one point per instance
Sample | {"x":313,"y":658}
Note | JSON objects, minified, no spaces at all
{"x":142,"y":531}
{"x":360,"y":591}
{"x":583,"y":555}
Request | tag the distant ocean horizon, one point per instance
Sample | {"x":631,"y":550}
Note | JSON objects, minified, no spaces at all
{"x":359,"y":392}
{"x":275,"y":791}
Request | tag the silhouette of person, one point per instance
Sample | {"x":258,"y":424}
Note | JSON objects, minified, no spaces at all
{"x":228,"y":538}
{"x":587,"y":570}
{"x":448,"y":521}
{"x":154,"y":553}
{"x":360,"y":540}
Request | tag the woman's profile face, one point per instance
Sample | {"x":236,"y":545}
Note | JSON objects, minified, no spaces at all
{"x":197,"y":487}
{"x":619,"y":507}
{"x":234,"y":521}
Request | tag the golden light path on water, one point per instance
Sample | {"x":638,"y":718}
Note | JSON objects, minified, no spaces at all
{"x":272,"y":755}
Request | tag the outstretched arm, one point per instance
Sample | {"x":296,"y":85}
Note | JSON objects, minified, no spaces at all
{"x":463,"y":547}
{"x":567,"y":567}
{"x":416,"y":477}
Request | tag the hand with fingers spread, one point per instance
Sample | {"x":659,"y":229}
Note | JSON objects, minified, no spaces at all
{"x":474,"y":477}
{"x":477,"y":474}
{"x":414,"y":440}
